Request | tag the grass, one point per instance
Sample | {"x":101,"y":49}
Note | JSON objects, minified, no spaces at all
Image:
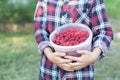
{"x":108,"y":68}
{"x":112,"y":8}
{"x":19,"y":59}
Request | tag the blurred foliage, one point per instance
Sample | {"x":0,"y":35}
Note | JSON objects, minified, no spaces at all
{"x":112,"y":8}
{"x":17,"y":12}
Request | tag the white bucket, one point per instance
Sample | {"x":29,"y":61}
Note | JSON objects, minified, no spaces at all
{"x":71,"y":50}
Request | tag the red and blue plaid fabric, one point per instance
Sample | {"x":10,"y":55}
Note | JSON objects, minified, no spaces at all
{"x":51,"y":14}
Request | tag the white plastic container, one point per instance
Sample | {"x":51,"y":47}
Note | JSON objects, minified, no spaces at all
{"x":71,"y":50}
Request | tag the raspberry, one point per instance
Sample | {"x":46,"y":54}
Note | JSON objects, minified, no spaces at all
{"x":70,"y":37}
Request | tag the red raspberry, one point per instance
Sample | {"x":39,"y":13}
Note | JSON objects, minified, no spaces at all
{"x":70,"y":37}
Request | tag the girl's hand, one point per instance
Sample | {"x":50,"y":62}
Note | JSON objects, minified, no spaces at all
{"x":58,"y":59}
{"x":85,"y":59}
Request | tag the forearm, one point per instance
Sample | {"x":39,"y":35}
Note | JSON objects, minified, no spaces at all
{"x":96,"y":53}
{"x":48,"y":51}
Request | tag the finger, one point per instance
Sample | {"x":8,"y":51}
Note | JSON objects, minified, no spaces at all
{"x":60,"y":54}
{"x":77,"y":67}
{"x":66,"y":67}
{"x":67,"y":61}
{"x":62,"y":60}
{"x":82,"y":52}
{"x":71,"y":58}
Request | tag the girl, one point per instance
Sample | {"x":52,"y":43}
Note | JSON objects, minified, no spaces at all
{"x":51,"y":14}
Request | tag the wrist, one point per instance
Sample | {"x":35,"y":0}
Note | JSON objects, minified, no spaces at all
{"x":96,"y":52}
{"x":48,"y":52}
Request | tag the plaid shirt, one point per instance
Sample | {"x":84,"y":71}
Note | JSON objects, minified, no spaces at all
{"x":51,"y":14}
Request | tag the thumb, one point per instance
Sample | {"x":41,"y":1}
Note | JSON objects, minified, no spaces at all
{"x":82,"y":52}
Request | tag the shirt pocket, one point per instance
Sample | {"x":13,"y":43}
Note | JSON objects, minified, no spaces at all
{"x":81,"y":16}
{"x":65,"y":17}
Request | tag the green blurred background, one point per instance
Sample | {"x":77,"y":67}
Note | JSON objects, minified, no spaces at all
{"x":19,"y":59}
